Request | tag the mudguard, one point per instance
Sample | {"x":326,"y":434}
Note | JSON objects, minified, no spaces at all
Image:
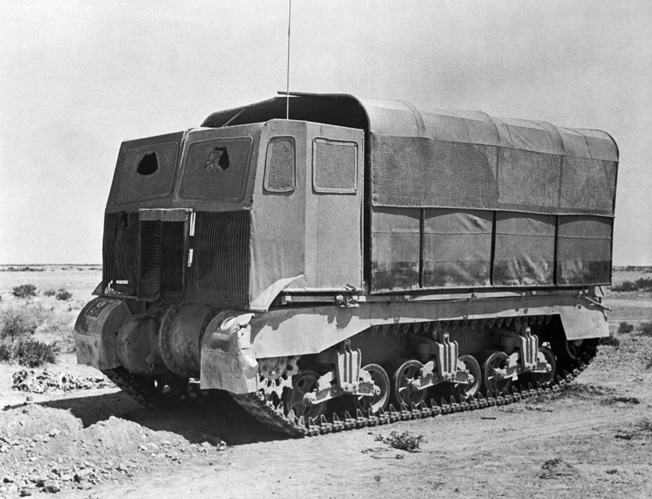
{"x":227,"y":358}
{"x":96,"y":330}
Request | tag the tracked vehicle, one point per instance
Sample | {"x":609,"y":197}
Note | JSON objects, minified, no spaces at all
{"x":354,"y":264}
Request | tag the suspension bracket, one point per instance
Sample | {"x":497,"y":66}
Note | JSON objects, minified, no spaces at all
{"x":347,"y":378}
{"x":443,"y":368}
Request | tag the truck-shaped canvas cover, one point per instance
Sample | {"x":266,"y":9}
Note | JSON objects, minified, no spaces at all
{"x":359,"y":195}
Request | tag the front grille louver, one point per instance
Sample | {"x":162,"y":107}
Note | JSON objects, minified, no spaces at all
{"x":148,"y":258}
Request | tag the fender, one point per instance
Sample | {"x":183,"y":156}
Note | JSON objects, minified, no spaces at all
{"x":96,"y":330}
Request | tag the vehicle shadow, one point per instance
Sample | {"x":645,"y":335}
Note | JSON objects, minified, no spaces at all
{"x":213,"y":417}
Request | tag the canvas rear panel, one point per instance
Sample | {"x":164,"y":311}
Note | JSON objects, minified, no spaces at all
{"x":584,"y":250}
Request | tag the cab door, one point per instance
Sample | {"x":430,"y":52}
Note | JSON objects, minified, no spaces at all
{"x":334,"y":208}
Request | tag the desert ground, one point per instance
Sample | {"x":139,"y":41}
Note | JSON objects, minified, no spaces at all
{"x":74,"y":434}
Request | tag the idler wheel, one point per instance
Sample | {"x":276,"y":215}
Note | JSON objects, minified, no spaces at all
{"x":402,"y":383}
{"x":376,"y":402}
{"x":303,"y":383}
{"x":468,"y":364}
{"x":492,"y":381}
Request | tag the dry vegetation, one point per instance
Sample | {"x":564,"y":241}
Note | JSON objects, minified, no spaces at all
{"x":38,"y":308}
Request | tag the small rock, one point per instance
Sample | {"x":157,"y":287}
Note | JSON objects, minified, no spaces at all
{"x":8,"y":479}
{"x":51,"y":487}
{"x":123,"y":467}
{"x":81,"y":474}
{"x":25,"y":492}
{"x":54,"y":432}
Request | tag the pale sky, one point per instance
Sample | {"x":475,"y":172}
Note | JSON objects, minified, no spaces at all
{"x":79,"y":77}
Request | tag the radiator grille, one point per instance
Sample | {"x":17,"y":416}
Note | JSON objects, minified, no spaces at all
{"x":162,"y":258}
{"x":219,"y":274}
{"x":120,"y":254}
{"x":149,"y":258}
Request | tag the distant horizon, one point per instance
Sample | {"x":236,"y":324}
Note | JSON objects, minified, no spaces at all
{"x":619,"y":266}
{"x":50,"y":264}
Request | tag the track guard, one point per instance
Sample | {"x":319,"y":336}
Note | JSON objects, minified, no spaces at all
{"x":227,"y":359}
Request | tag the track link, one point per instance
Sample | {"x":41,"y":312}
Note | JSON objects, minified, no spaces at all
{"x":143,"y":389}
{"x":276,"y":419}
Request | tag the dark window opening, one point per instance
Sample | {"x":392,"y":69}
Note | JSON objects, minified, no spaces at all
{"x":218,"y":161}
{"x":217,"y":169}
{"x":148,"y":164}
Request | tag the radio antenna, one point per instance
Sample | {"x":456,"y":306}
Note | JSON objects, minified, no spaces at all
{"x":287,"y":93}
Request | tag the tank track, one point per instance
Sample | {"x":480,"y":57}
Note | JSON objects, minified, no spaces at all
{"x":143,"y":390}
{"x":135,"y":386}
{"x":275,"y":418}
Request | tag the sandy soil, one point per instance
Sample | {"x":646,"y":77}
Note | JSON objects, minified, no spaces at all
{"x":595,"y":440}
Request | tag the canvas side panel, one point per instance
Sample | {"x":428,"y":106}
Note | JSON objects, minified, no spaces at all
{"x":457,"y":248}
{"x":525,"y":250}
{"x":396,"y":241}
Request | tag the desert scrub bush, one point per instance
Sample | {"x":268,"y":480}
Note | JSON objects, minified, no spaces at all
{"x":5,"y":352}
{"x":612,"y":339}
{"x":28,"y":352}
{"x":24,"y":291}
{"x":646,"y":328}
{"x":625,"y":327}
{"x":34,"y":353}
{"x":63,"y":295}
{"x":18,"y":322}
{"x":50,"y":292}
{"x":642,"y":284}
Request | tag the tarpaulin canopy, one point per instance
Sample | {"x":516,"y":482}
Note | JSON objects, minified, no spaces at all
{"x":461,"y":199}
{"x":462,"y":159}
